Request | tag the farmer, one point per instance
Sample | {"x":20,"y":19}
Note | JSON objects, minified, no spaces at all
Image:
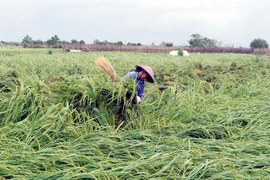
{"x":141,"y":74}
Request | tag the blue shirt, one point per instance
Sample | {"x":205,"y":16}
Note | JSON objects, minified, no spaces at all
{"x":139,"y":83}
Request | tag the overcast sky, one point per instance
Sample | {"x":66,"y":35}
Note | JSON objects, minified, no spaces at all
{"x":233,"y":22}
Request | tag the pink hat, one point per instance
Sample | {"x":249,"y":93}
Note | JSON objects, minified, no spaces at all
{"x":148,"y":70}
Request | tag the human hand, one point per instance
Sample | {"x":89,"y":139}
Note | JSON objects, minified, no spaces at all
{"x":139,"y":100}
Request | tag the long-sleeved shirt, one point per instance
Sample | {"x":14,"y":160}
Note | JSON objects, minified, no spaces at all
{"x":139,"y":83}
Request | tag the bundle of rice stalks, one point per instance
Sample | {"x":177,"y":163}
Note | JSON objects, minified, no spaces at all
{"x":9,"y":81}
{"x":105,"y":65}
{"x":104,"y":103}
{"x":119,"y":102}
{"x":24,"y":103}
{"x":79,"y":94}
{"x":5,"y":86}
{"x":215,"y":132}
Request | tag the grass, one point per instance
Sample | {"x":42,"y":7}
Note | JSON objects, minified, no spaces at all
{"x":206,"y":117}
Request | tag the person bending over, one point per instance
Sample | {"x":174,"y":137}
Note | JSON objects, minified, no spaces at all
{"x":141,"y":74}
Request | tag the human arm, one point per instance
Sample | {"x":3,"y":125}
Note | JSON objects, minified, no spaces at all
{"x":139,"y":84}
{"x":140,"y":89}
{"x":131,"y":75}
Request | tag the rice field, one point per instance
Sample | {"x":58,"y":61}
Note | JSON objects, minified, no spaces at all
{"x":207,"y":116}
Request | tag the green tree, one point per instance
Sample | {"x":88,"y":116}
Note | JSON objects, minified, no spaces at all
{"x":133,"y":44}
{"x":120,"y":43}
{"x":105,"y":42}
{"x":96,"y":41}
{"x":163,"y":43}
{"x":55,"y":39}
{"x":27,"y":40}
{"x":196,"y":41}
{"x":64,"y":42}
{"x":38,"y":42}
{"x":203,"y":42}
{"x":74,"y":41}
{"x":49,"y":42}
{"x":169,"y":44}
{"x":259,"y":43}
{"x":82,"y":42}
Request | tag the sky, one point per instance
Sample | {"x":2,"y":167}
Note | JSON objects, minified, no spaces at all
{"x":232,"y":22}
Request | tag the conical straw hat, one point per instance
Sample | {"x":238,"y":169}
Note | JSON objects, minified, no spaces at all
{"x":148,"y":70}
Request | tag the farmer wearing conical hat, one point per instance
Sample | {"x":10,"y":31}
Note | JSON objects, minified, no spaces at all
{"x":141,"y":74}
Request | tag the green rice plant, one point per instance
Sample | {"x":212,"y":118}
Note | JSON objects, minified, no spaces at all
{"x":180,"y":52}
{"x":9,"y":81}
{"x":119,"y":100}
{"x":50,"y":51}
{"x":108,"y":104}
{"x":216,"y":132}
{"x":63,"y":119}
{"x":23,"y":104}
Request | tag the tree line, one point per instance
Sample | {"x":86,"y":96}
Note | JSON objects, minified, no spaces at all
{"x":196,"y":41}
